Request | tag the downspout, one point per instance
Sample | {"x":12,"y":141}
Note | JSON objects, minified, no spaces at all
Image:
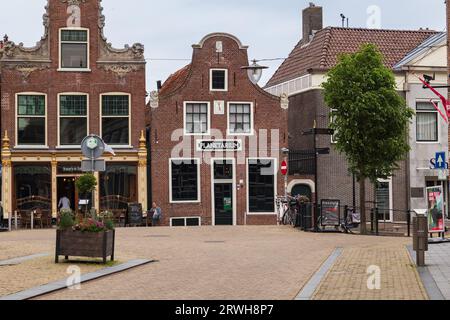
{"x":408,"y":163}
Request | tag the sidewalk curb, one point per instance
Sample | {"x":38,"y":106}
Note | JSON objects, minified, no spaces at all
{"x":19,"y":260}
{"x":310,"y":288}
{"x":62,"y":284}
{"x":430,"y":286}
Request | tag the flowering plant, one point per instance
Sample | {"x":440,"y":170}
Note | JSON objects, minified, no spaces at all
{"x":91,"y":225}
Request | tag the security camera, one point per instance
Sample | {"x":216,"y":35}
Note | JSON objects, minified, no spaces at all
{"x":428,"y":78}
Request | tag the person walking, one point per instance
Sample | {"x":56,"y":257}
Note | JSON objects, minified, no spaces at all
{"x":156,"y":213}
{"x":64,"y":203}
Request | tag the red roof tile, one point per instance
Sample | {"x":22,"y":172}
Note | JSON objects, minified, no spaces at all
{"x":322,"y":52}
{"x":175,"y":80}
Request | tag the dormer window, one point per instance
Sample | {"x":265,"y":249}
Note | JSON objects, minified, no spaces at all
{"x":219,"y":80}
{"x":74,"y":50}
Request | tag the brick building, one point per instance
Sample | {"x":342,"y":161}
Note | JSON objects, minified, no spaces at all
{"x":300,"y":77}
{"x":216,"y":140}
{"x":71,"y":84}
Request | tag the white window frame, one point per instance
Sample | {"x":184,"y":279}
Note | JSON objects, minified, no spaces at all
{"x":391,"y":198}
{"x":233,"y":182}
{"x":24,"y":146}
{"x":185,"y":221}
{"x":275,"y":187}
{"x":208,"y":107}
{"x":211,"y":80}
{"x":59,"y":118}
{"x":438,"y":124}
{"x":60,"y":68}
{"x":123,"y":146}
{"x":252,"y":121}
{"x":199,"y":193}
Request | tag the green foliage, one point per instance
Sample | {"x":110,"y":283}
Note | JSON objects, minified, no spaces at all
{"x":370,"y":118}
{"x":108,"y":219}
{"x":67,"y":219}
{"x":86,"y":183}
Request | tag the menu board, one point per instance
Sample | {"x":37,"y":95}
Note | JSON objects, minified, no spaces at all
{"x":135,"y":214}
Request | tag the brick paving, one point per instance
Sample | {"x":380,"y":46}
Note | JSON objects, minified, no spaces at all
{"x":222,"y":263}
{"x":347,"y":280}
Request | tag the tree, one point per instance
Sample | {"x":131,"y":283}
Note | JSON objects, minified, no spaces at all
{"x":369,"y":116}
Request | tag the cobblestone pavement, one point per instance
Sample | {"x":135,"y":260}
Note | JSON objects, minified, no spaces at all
{"x":208,"y":262}
{"x":348,"y":278}
{"x":438,"y":264}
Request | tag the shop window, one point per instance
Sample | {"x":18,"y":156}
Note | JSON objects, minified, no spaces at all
{"x":31,"y":111}
{"x":118,"y":186}
{"x":73,"y":119}
{"x":33,"y":186}
{"x":240,"y":118}
{"x":184,"y":180}
{"x":74,"y":49}
{"x":261,"y":186}
{"x":383,"y":200}
{"x":219,"y":80}
{"x":116,"y":119}
{"x":426,"y":122}
{"x":196,"y":118}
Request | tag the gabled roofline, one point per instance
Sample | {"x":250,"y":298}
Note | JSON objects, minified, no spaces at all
{"x":422,"y":49}
{"x":219,"y":34}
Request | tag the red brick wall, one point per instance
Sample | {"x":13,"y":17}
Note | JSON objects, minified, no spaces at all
{"x":52,"y":82}
{"x":169,"y":117}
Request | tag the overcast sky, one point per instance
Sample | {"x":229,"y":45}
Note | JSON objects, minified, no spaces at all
{"x":168,"y":28}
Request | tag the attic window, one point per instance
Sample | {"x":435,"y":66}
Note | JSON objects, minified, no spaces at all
{"x":74,"y":49}
{"x":219,"y":80}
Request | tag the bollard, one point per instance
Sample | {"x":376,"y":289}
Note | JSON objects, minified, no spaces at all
{"x":371,"y":220}
{"x":9,"y":222}
{"x":376,"y":222}
{"x":408,"y":217}
{"x":420,"y":239}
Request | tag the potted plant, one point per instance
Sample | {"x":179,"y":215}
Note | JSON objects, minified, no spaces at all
{"x":86,"y":185}
{"x":89,"y":237}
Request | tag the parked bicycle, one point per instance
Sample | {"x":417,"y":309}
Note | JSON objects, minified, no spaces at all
{"x":352,"y":220}
{"x":287,"y":210}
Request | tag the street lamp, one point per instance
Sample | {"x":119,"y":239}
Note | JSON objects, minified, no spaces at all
{"x":254,"y":71}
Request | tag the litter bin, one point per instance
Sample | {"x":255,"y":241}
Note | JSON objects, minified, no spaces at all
{"x":305,"y":216}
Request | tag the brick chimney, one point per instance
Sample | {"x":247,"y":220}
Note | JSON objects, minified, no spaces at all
{"x":312,"y":21}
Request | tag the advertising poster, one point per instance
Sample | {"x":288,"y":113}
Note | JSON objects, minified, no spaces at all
{"x":330,"y":210}
{"x":435,"y":196}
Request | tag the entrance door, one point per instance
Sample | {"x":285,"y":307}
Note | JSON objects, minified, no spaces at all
{"x":223,"y":192}
{"x":66,"y":188}
{"x":223,"y":200}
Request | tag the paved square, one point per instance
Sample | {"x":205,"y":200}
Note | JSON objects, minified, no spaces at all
{"x":438,"y":264}
{"x":223,"y":263}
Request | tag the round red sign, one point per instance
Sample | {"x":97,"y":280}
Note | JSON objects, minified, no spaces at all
{"x":284,"y":168}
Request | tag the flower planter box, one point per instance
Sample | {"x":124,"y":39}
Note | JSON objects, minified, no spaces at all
{"x":84,"y":244}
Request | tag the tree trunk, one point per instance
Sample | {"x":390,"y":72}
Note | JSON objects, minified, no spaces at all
{"x":362,"y":204}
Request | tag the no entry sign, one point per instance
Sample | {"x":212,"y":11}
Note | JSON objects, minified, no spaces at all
{"x":284,"y":168}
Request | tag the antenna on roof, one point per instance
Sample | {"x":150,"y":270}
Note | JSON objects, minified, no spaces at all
{"x":344,"y":18}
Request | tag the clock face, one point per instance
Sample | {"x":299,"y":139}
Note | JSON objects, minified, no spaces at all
{"x":92,"y":143}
